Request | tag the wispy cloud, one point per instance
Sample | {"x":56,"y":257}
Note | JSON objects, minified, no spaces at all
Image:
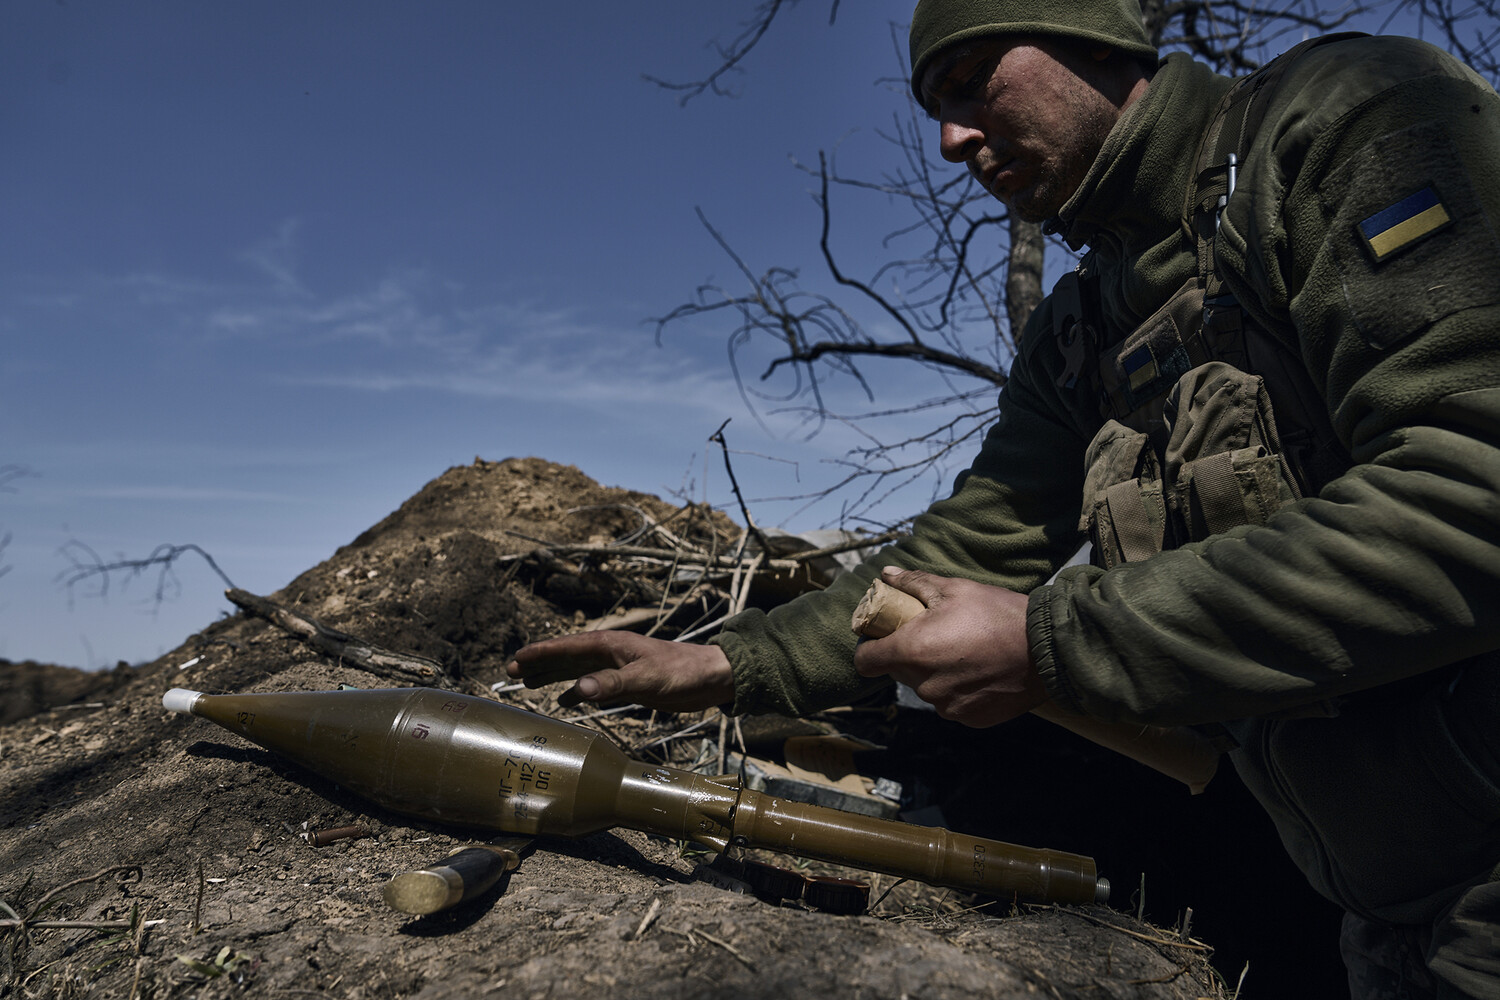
{"x":183,"y":494}
{"x":543,"y":357}
{"x":405,"y":330}
{"x":276,"y":258}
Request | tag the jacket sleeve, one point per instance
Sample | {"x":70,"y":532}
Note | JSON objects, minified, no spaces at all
{"x":1011,"y":520}
{"x":1394,"y":568}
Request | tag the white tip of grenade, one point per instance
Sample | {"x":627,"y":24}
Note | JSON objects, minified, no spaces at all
{"x":180,"y":700}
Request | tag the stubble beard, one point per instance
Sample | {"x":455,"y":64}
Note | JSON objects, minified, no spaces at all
{"x":1040,"y":201}
{"x":1059,"y":177}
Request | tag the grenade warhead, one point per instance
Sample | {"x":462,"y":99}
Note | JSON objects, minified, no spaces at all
{"x":465,"y":760}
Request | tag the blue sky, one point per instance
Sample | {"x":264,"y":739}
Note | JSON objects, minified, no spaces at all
{"x":270,"y":267}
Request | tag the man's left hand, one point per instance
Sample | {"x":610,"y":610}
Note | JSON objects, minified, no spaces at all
{"x":966,"y":654}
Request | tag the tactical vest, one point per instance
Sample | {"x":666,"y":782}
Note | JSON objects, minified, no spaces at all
{"x":1210,"y":420}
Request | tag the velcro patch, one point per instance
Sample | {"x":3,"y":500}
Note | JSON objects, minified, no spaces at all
{"x":1410,"y":239}
{"x":1409,"y":220}
{"x":1140,"y":368}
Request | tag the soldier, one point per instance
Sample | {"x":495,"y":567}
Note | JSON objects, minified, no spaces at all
{"x":1270,"y":397}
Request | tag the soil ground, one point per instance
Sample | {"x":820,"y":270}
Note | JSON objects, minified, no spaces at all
{"x":191,"y":841}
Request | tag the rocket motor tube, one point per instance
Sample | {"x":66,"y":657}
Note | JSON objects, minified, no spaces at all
{"x":929,"y":854}
{"x":464,"y":760}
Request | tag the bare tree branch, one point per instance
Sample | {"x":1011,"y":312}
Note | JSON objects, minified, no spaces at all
{"x":760,"y":539}
{"x":9,"y":473}
{"x":956,"y":303}
{"x":730,"y":56}
{"x":86,"y":564}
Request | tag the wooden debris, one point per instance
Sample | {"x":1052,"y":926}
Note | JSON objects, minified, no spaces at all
{"x":726,"y":946}
{"x":339,"y":645}
{"x":647,"y":920}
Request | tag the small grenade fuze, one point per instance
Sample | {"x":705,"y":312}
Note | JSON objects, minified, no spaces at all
{"x":464,"y":760}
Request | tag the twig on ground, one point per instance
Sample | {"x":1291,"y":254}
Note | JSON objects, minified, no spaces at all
{"x":338,"y":645}
{"x":603,"y":711}
{"x":198,"y":902}
{"x":1148,"y":938}
{"x":726,"y":946}
{"x":46,"y":899}
{"x":885,"y":894}
{"x":723,"y":740}
{"x":93,"y":925}
{"x":849,"y":546}
{"x":675,"y":736}
{"x":647,"y":920}
{"x":1240,"y":984}
{"x":1160,"y":979}
{"x":743,"y":597}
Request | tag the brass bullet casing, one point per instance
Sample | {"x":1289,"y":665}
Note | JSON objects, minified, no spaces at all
{"x":458,"y":759}
{"x":465,"y":873}
{"x":322,"y":838}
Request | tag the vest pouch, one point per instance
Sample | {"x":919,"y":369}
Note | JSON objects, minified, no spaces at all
{"x":1231,"y":488}
{"x":1125,"y":514}
{"x":1214,"y":463}
{"x":1222,"y":456}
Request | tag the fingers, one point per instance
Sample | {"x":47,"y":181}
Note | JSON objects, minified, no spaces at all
{"x":600,"y":689}
{"x":568,"y":657}
{"x":611,"y":667}
{"x":599,"y":647}
{"x":585,"y":690}
{"x":891,"y":655}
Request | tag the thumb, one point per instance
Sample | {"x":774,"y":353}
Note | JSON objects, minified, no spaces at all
{"x":597,"y":688}
{"x":923,"y":586}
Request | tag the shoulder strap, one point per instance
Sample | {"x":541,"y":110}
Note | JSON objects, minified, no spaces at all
{"x":1222,"y":149}
{"x":1313,"y":449}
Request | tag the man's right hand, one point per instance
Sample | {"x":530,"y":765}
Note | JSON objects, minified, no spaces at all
{"x":624,"y":667}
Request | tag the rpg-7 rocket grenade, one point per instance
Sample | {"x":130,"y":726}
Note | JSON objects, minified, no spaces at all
{"x":463,"y":760}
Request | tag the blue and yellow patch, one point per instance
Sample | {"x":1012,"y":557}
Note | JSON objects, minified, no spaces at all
{"x":1413,"y":218}
{"x":1139,"y":367}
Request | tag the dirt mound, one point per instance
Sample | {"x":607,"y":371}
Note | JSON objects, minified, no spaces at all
{"x":28,"y":687}
{"x":170,"y":859}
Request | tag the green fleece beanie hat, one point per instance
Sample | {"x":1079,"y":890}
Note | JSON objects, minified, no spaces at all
{"x":937,"y":24}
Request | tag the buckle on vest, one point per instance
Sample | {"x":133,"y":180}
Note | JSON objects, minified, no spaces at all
{"x":1232,"y":167}
{"x":1074,"y":337}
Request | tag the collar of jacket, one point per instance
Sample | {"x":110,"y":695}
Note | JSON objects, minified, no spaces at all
{"x":1134,"y":192}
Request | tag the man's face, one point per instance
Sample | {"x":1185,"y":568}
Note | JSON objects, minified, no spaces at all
{"x":1025,"y":114}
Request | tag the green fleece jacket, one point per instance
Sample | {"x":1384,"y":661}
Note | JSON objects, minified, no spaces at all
{"x":1384,"y":583}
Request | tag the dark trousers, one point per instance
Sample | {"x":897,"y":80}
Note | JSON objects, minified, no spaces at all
{"x":1456,"y":958}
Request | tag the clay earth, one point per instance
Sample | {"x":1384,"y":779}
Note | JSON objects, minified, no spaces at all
{"x":179,"y":851}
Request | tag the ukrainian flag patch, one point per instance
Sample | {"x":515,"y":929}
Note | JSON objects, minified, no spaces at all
{"x":1140,"y":368}
{"x":1413,"y":218}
